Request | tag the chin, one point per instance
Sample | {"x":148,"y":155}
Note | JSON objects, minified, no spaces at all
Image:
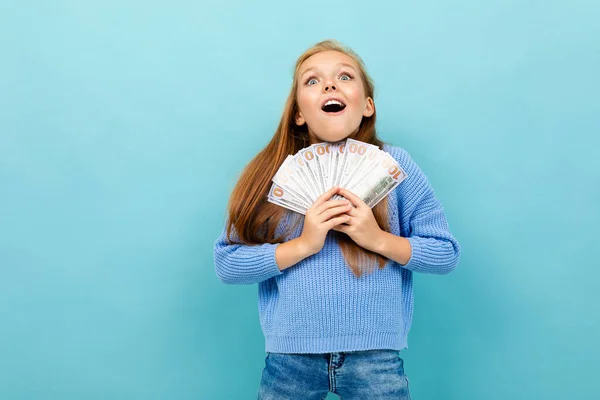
{"x":333,"y":137}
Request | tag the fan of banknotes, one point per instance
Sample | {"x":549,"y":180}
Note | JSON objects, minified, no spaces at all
{"x":359,"y":167}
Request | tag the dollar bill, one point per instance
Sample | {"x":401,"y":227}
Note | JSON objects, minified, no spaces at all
{"x":301,"y":167}
{"x":337,"y":155}
{"x":312,"y":165}
{"x":384,"y":177}
{"x":359,"y":167}
{"x":289,"y":179}
{"x":282,"y":197}
{"x":356,"y":155}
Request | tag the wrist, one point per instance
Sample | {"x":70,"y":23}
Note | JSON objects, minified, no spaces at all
{"x":380,"y":242}
{"x":394,"y":247}
{"x":303,"y":247}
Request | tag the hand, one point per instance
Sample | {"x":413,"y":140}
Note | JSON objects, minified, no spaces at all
{"x":362,"y":227}
{"x":323,"y":215}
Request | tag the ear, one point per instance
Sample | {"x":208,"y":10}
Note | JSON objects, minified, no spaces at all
{"x":299,"y":119}
{"x":369,"y":107}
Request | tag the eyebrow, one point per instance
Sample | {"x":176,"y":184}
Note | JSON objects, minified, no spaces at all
{"x":338,"y":64}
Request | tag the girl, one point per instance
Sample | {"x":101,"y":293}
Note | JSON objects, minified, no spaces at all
{"x":334,"y":286}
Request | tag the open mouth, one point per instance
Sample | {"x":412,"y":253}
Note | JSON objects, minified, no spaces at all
{"x":333,"y":106}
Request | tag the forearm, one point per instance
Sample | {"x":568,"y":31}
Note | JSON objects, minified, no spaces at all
{"x":291,"y":252}
{"x":419,"y":254}
{"x":396,"y":248}
{"x":237,"y":263}
{"x":428,"y":246}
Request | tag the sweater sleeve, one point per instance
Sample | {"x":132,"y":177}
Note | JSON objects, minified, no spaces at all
{"x":433,"y":247}
{"x":244,"y":264}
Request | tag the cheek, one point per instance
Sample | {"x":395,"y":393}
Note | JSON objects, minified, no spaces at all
{"x":309,"y":104}
{"x":303,"y":101}
{"x":356,"y":96}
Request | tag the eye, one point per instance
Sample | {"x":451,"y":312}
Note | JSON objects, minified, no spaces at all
{"x":312,"y":78}
{"x":346,"y":75}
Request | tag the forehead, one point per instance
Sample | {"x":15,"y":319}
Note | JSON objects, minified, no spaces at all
{"x":328,"y":58}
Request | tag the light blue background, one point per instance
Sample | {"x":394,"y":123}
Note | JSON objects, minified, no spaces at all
{"x":123,"y":127}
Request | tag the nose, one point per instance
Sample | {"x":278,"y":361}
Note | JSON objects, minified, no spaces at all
{"x":327,"y":87}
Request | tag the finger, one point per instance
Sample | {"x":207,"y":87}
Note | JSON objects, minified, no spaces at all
{"x":352,"y":211}
{"x":326,"y":215}
{"x":331,"y":204}
{"x":357,"y":201}
{"x":336,"y":221}
{"x":325,"y":196}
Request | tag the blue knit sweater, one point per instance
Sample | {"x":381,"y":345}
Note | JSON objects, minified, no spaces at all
{"x":319,"y":305}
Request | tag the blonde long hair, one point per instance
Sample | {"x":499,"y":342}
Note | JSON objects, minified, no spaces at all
{"x":254,"y":219}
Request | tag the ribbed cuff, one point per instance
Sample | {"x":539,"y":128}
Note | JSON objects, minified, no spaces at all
{"x":256,"y":265}
{"x":272,"y":262}
{"x":265,"y":264}
{"x":430,"y":255}
{"x":416,"y":261}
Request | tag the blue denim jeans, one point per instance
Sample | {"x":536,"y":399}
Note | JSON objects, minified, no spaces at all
{"x":369,"y":374}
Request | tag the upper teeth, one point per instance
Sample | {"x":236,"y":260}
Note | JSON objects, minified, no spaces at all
{"x":332,"y":102}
